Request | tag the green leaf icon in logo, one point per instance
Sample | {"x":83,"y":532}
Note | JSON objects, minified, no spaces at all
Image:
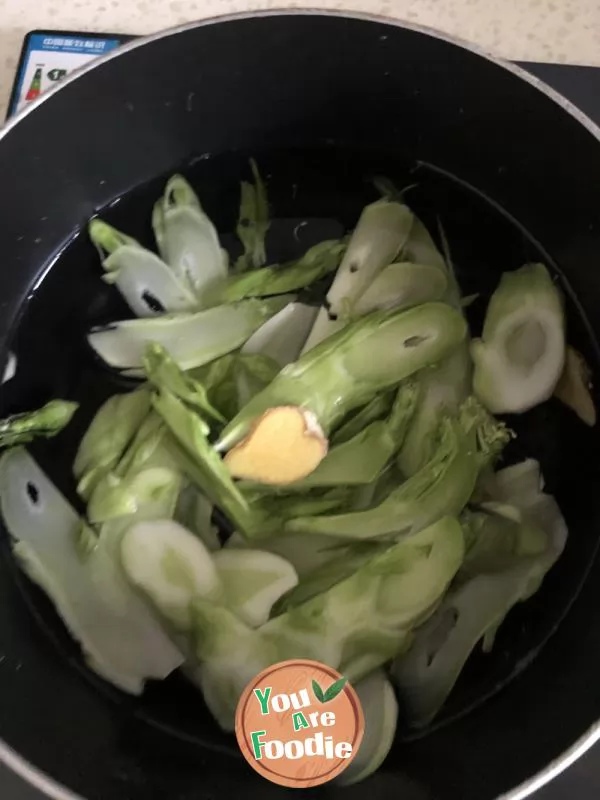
{"x":318,"y":692}
{"x":335,"y":689}
{"x":331,"y":693}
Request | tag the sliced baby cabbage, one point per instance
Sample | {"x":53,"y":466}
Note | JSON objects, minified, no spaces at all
{"x":342,"y":374}
{"x":574,"y":387}
{"x":380,"y":233}
{"x":490,"y":435}
{"x":253,"y":580}
{"x":380,"y":709}
{"x":194,"y":511}
{"x":219,"y":379}
{"x":154,"y":489}
{"x":317,"y":262}
{"x":505,"y":563}
{"x":302,"y":633}
{"x":147,"y":284}
{"x":362,"y":458}
{"x":427,"y":673}
{"x":191,"y":339}
{"x":201,"y":462}
{"x":162,"y":371}
{"x":171,"y":567}
{"x":402,"y":285}
{"x":415,"y":573}
{"x":252,"y":373}
{"x":421,"y":249}
{"x":335,"y":564}
{"x":272,"y":510}
{"x":44,"y":423}
{"x":110,"y":432}
{"x":230,"y":655}
{"x":188,"y":242}
{"x":367,"y":614}
{"x":253,"y":222}
{"x":304,"y":553}
{"x":521,"y":353}
{"x":376,"y":409}
{"x":498,"y":538}
{"x":444,"y":387}
{"x":146,"y":481}
{"x":441,"y":488}
{"x":518,"y":482}
{"x":282,"y":337}
{"x":121,"y":639}
{"x":147,"y":448}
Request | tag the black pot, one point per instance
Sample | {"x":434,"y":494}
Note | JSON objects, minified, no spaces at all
{"x":325,"y":102}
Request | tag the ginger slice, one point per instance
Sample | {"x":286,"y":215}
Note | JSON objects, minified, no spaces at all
{"x":284,"y":445}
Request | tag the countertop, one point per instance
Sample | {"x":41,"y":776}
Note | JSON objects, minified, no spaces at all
{"x":528,"y":30}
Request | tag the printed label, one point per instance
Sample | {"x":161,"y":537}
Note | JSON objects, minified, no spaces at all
{"x":50,"y":58}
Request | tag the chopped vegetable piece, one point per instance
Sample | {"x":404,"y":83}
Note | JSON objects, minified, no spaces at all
{"x":490,"y":435}
{"x":147,"y":448}
{"x":317,"y":262}
{"x":201,"y":462}
{"x":194,"y":511}
{"x":231,"y":654}
{"x":189,"y":243}
{"x":497,"y":539}
{"x":521,"y":355}
{"x":344,"y":561}
{"x":376,"y":409}
{"x":171,"y":566}
{"x":147,"y":284}
{"x":474,"y":609}
{"x":342,"y":374}
{"x":518,"y":482}
{"x":362,"y":458}
{"x":304,"y":553}
{"x":421,"y":249}
{"x":284,"y":445}
{"x":443,"y":388}
{"x":380,"y":233}
{"x":379,"y":601}
{"x":120,"y":638}
{"x":162,"y":371}
{"x":273,"y":511}
{"x":112,"y":429}
{"x":380,"y":708}
{"x":442,"y":487}
{"x":427,"y":673}
{"x":45,"y":422}
{"x":574,"y":385}
{"x":191,"y":339}
{"x":253,"y":580}
{"x":253,"y":373}
{"x":282,"y":337}
{"x":253,"y":222}
{"x":153,"y":490}
{"x":402,"y":285}
{"x":219,"y":378}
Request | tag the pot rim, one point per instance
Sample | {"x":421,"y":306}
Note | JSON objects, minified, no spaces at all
{"x":9,"y":757}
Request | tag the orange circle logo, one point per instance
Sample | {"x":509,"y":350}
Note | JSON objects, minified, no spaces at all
{"x":299,"y":723}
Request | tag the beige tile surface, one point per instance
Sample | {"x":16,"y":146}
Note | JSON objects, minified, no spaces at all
{"x":545,"y":30}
